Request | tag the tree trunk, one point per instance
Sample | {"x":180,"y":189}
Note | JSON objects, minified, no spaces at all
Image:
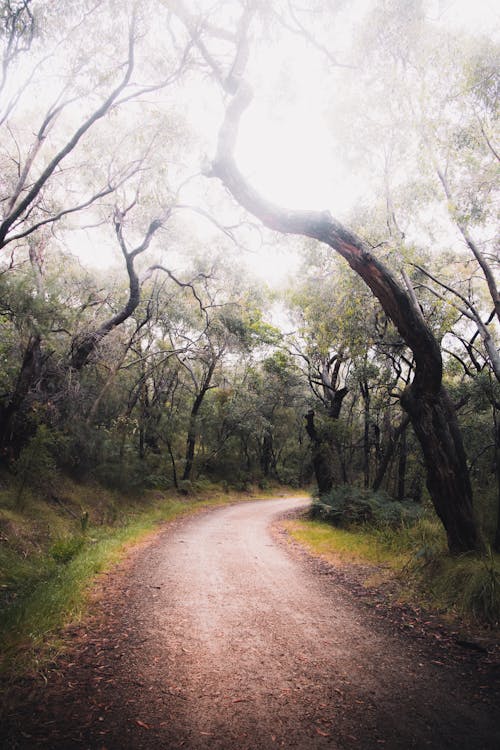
{"x":193,"y":421}
{"x":190,"y":445}
{"x":322,"y":457}
{"x":389,"y":452}
{"x":403,"y":455}
{"x":431,"y":413}
{"x":11,"y":444}
{"x":496,"y":542}
{"x":266,"y":455}
{"x":365,"y":393}
{"x":435,"y":423}
{"x":172,"y":461}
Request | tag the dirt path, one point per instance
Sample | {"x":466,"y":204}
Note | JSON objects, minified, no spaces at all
{"x":218,"y":637}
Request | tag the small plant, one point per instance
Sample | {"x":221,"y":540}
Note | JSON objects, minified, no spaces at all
{"x":66,"y":549}
{"x":84,"y":521}
{"x":185,"y":487}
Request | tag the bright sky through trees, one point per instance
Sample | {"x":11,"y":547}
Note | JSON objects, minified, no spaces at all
{"x":285,"y":146}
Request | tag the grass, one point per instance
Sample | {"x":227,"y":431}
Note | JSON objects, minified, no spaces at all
{"x":466,"y":587}
{"x":47,"y":578}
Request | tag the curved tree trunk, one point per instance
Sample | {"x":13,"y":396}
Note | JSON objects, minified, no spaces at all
{"x":431,"y":413}
{"x":82,"y":347}
{"x":427,"y":403}
{"x":435,"y":424}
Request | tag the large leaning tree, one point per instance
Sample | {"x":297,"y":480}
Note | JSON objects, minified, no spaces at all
{"x":425,"y":399}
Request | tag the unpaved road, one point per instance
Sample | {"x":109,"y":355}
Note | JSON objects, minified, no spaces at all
{"x":219,"y":637}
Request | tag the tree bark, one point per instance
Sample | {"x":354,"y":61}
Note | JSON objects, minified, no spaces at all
{"x":172,"y":461}
{"x":496,"y":542}
{"x":10,"y":444}
{"x":193,"y":420}
{"x":435,"y":424}
{"x":389,"y":452}
{"x":365,"y":393}
{"x":402,"y":462}
{"x":322,"y":457}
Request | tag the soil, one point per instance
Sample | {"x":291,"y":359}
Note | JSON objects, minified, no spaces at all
{"x":222,"y":634}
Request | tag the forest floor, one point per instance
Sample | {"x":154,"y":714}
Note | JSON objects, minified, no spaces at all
{"x":221,"y":633}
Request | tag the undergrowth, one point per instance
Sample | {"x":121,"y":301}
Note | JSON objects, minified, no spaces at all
{"x":348,"y":505}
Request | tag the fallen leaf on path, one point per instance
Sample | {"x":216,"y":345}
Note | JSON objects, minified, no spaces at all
{"x":323,"y":734}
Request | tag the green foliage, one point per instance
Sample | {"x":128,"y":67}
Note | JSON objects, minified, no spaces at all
{"x":20,"y":573}
{"x":468,"y":585}
{"x":64,"y":550}
{"x":36,"y":466}
{"x":348,"y":505}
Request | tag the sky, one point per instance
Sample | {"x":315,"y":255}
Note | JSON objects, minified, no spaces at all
{"x":284,"y":148}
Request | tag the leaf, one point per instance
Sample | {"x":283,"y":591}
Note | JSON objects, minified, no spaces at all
{"x":142,"y":724}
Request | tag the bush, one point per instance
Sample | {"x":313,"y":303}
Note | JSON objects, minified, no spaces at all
{"x":36,"y":466}
{"x":469,"y":585}
{"x":347,"y":505}
{"x":65,"y":549}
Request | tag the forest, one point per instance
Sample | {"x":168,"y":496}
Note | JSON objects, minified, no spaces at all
{"x":246,"y":244}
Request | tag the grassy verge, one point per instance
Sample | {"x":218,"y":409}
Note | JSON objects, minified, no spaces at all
{"x":53,"y":552}
{"x":467,"y":587}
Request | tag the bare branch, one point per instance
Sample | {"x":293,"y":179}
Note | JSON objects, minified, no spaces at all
{"x":33,"y":193}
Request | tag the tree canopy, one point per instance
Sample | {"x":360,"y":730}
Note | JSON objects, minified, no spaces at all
{"x":158,"y":158}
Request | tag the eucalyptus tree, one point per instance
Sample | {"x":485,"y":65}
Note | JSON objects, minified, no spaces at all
{"x":219,"y":325}
{"x":355,"y":366}
{"x":322,"y":348}
{"x":72,"y":156}
{"x":64,"y":77}
{"x":425,"y":399}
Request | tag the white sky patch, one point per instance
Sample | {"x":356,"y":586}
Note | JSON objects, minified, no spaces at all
{"x":284,"y":146}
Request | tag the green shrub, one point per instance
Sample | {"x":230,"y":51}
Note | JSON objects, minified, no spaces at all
{"x":469,"y":585}
{"x":65,"y":549}
{"x":36,"y":467}
{"x":347,"y":505}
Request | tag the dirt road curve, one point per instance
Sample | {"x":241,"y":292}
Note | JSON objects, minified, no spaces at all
{"x":219,"y":637}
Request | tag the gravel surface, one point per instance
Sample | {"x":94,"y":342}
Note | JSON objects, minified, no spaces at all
{"x":221,"y":635}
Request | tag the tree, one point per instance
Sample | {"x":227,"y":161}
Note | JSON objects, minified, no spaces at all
{"x":53,"y":174}
{"x":425,"y":399}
